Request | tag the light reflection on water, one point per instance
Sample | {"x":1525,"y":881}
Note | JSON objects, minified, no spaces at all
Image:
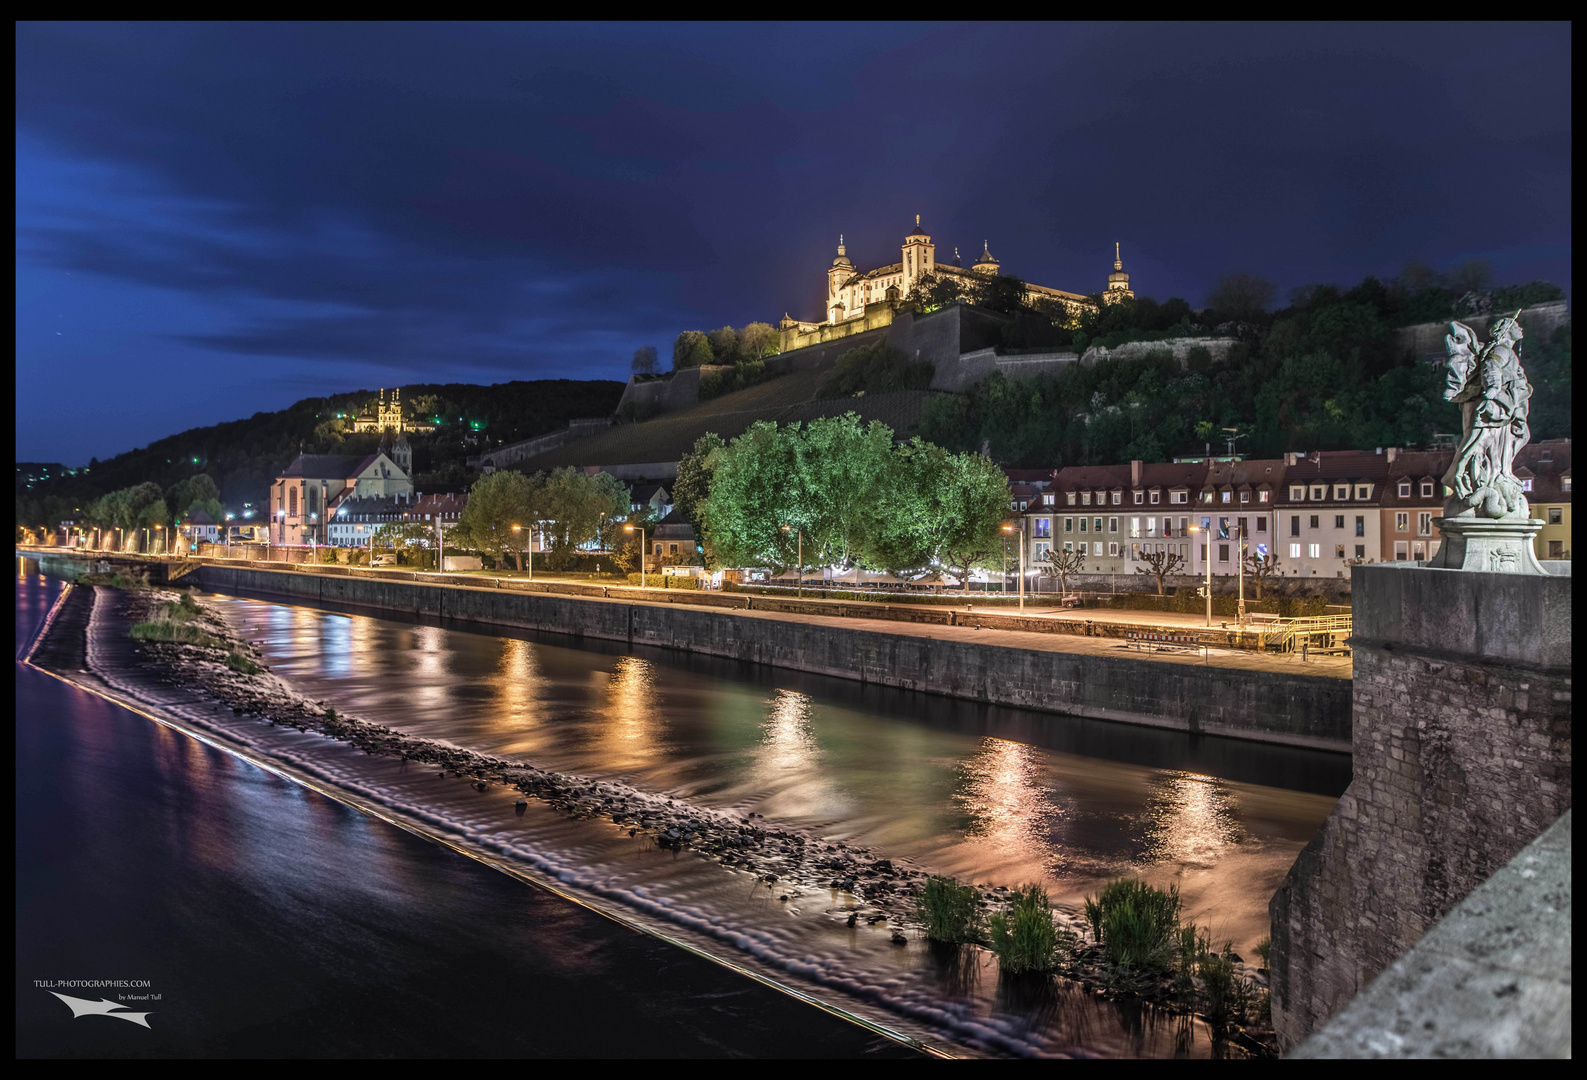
{"x":988,"y":795}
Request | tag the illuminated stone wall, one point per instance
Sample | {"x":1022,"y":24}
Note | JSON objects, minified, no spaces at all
{"x":1461,"y":732}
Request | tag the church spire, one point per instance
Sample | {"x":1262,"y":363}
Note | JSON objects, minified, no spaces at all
{"x":1118,"y":263}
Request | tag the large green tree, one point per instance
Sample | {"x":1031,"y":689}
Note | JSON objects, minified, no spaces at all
{"x":495,"y":504}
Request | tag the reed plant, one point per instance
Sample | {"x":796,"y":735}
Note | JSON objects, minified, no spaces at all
{"x":1024,"y":938}
{"x":179,"y":633}
{"x":950,"y":912}
{"x":1136,"y":924}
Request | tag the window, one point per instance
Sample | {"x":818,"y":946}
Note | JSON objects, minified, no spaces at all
{"x":1102,"y":498}
{"x":1140,"y":497}
{"x":1297,"y":493}
{"x":1405,"y":489}
{"x":1245,"y":527}
{"x":1294,"y":551}
{"x":1041,"y":551}
{"x":1427,"y":489}
{"x":1135,"y":526}
{"x":1113,"y":548}
{"x":1083,"y":524}
{"x":1556,"y":515}
{"x":1206,"y":498}
{"x":672,"y":549}
{"x":1245,"y":496}
{"x":1319,"y":493}
{"x":1314,"y":521}
{"x":1361,"y":551}
{"x":1294,"y":525}
{"x":1361,"y":525}
{"x":1341,"y":491}
{"x":1363,"y":491}
{"x":1526,"y":484}
{"x":1069,"y":545}
{"x":1113,"y":525}
{"x":1070,"y":497}
{"x":1044,"y":526}
{"x":1418,"y":551}
{"x":1226,"y":496}
{"x":1556,"y":549}
{"x":292,"y":498}
{"x":1261,"y":496}
{"x":1155,"y":494}
{"x":1402,"y":522}
{"x":1096,"y":548}
{"x":1261,"y":524}
{"x":1118,"y":497}
{"x":1203,"y":552}
{"x":1339,"y":521}
{"x":1564,"y":483}
{"x":1151,"y":526}
{"x":1223,"y":552}
{"x":1047,"y":500}
{"x":1179,"y":497}
{"x":1069,"y":525}
{"x":1085,"y":498}
{"x":1424,"y":523}
{"x":1096,"y":525}
{"x":1314,"y":551}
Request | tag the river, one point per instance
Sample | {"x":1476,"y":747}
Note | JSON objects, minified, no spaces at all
{"x":992,"y":795}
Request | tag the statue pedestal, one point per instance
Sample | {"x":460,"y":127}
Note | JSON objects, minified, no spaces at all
{"x":1502,"y":547}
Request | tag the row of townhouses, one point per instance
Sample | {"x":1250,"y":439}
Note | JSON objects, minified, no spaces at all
{"x":1317,"y":514}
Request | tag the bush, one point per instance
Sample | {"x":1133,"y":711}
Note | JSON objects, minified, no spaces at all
{"x":180,"y":633}
{"x":1024,"y":937}
{"x":950,"y":912}
{"x":238,"y":660}
{"x":1136,"y":924}
{"x":875,"y":369}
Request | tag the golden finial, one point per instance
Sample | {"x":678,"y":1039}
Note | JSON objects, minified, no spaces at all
{"x":917,"y":221}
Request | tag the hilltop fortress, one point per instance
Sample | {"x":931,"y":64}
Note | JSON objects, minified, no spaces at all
{"x":860,"y":300}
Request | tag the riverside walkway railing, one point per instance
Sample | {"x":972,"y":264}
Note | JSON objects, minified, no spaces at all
{"x":1318,"y":632}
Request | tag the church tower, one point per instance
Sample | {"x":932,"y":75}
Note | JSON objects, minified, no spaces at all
{"x":919,"y":257}
{"x":402,"y":454}
{"x":839,"y":273}
{"x":986,"y":264}
{"x":1118,"y":281}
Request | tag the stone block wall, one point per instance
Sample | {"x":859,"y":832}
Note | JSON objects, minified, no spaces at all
{"x":1461,"y":735}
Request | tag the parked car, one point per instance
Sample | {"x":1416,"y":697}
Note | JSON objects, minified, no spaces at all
{"x":383,"y":558}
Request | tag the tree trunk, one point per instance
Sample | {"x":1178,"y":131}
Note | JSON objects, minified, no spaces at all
{"x":520,"y":560}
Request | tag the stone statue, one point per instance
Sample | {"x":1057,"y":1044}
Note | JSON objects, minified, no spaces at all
{"x":1487,"y":524}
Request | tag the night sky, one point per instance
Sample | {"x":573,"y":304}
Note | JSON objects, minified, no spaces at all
{"x":217,"y":220}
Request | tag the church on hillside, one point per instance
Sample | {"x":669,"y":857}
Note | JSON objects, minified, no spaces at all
{"x":850,"y":290}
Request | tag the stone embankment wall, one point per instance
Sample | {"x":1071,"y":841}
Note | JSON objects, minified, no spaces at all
{"x":1462,"y":755}
{"x":1180,"y":347}
{"x":1295,"y":709}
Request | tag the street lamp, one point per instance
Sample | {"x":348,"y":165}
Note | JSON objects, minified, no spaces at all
{"x":1240,"y":554}
{"x":161,"y":537}
{"x":1020,"y":528}
{"x":799,"y":556}
{"x":641,"y":531}
{"x":518,"y":540}
{"x":1206,"y":554}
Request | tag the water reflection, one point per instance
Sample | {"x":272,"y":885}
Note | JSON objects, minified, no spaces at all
{"x":1190,"y":819}
{"x":627,"y":738}
{"x":1008,"y":803}
{"x":336,"y":645}
{"x":517,"y":685}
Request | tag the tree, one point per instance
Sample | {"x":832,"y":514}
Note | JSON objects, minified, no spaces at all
{"x":1160,"y":564}
{"x":691,"y":350}
{"x":931,"y":292}
{"x":645,"y":360}
{"x":692,"y":489}
{"x":402,"y":537}
{"x":1241,"y":296}
{"x":759,"y":340}
{"x":1258,"y":568}
{"x":574,"y":507}
{"x":1002,"y":292}
{"x":1060,"y":563}
{"x":495,"y":504}
{"x":724,"y":345}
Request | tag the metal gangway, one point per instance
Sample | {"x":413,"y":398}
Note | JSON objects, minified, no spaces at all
{"x":1329,"y":634}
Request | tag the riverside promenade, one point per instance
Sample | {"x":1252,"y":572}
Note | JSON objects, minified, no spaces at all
{"x":1073,"y":664}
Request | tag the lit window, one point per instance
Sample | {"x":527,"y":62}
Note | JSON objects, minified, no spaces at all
{"x":1070,"y":496}
{"x":1526,"y":484}
{"x":1261,"y":496}
{"x":1135,"y":526}
{"x":1085,"y":498}
{"x":1225,"y":496}
{"x":1314,"y":551}
{"x":1096,"y":548}
{"x":1118,"y":497}
{"x":1047,"y":500}
{"x":1424,"y":524}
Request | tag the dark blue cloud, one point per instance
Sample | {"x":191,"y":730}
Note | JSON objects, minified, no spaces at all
{"x":256,"y":208}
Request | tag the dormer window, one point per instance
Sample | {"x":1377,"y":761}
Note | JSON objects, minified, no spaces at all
{"x":1319,"y":493}
{"x":1526,"y":484}
{"x":1245,"y":496}
{"x":1363,"y":491}
{"x":1071,"y":497}
{"x":1341,"y":491}
{"x":1118,"y":497}
{"x":1297,"y":493}
{"x":1046,"y":500}
{"x":1225,"y":497}
{"x":1427,"y":489}
{"x":1261,"y":496}
{"x":1140,"y":497}
{"x":1085,"y":498}
{"x":1564,"y":483}
{"x":1405,"y":489}
{"x":1155,"y":493}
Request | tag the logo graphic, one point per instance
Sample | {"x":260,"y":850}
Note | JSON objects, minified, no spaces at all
{"x":84,"y":1007}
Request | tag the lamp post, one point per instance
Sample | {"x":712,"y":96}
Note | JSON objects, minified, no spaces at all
{"x":516,"y":540}
{"x":160,"y":536}
{"x":799,"y":556}
{"x":1240,"y":552}
{"x":1206,"y":555}
{"x":641,"y":532}
{"x":1020,"y":528}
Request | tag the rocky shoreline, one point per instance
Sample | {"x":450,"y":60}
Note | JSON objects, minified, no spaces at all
{"x":879,"y":891}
